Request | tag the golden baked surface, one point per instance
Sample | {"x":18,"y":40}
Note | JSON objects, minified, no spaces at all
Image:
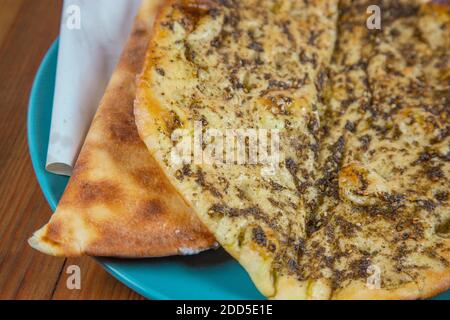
{"x":118,"y":201}
{"x":363,"y":116}
{"x":383,"y":175}
{"x":236,"y":66}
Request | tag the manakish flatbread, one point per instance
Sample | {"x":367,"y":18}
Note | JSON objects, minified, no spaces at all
{"x":118,"y":201}
{"x":364,"y":176}
{"x":242,"y":65}
{"x":384,"y":173}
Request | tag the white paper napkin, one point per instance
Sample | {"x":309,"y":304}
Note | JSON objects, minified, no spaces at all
{"x":93,"y":33}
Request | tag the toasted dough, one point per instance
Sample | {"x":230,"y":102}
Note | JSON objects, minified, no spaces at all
{"x":361,"y":189}
{"x":118,"y":202}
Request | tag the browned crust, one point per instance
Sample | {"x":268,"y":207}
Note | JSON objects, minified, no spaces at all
{"x":118,"y":201}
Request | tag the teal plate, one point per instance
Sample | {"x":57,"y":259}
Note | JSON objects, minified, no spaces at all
{"x":211,"y":275}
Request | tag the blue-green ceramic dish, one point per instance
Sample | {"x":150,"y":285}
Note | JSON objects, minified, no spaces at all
{"x":211,"y":275}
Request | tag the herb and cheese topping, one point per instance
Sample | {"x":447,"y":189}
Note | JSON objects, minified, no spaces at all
{"x":362,"y":115}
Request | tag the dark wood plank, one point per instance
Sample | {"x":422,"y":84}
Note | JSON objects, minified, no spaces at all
{"x":22,"y":208}
{"x":95,"y":284}
{"x":8,"y":11}
{"x":27,"y":29}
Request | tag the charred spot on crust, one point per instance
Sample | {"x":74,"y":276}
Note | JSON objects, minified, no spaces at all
{"x":54,"y":232}
{"x":101,"y":191}
{"x":152,"y":208}
{"x":145,"y":177}
{"x":124,"y":130}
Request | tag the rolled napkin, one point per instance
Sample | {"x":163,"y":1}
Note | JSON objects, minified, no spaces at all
{"x":93,"y":34}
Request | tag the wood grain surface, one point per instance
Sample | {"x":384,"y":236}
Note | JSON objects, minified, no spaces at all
{"x":27,"y":29}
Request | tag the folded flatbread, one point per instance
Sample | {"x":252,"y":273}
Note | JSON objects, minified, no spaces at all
{"x":118,"y":202}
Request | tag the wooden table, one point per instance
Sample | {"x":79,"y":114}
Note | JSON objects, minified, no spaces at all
{"x":27,"y":29}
